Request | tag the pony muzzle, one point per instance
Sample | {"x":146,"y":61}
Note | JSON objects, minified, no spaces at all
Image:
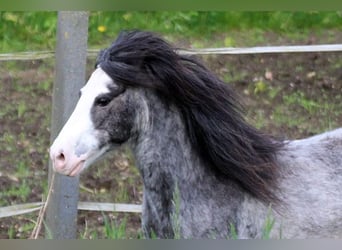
{"x":66,"y":163}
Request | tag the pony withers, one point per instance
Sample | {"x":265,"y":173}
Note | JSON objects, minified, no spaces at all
{"x":186,"y":131}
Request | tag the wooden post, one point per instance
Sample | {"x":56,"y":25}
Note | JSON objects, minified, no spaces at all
{"x":71,"y":54}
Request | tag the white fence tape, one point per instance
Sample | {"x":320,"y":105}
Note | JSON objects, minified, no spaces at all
{"x":268,"y":49}
{"x":35,"y":55}
{"x":90,"y":206}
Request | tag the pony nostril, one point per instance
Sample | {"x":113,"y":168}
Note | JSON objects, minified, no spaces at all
{"x":60,"y":161}
{"x":60,"y":157}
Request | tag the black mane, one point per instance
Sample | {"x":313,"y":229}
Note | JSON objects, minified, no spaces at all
{"x":209,"y":107}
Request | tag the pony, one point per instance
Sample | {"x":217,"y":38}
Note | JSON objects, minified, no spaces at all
{"x":206,"y":172}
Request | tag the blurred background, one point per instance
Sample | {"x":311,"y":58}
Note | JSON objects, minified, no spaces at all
{"x":290,"y":95}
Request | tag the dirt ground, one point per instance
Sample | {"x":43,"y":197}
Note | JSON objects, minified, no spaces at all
{"x":288,"y":95}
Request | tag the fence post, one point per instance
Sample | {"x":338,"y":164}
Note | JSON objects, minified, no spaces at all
{"x":71,"y":54}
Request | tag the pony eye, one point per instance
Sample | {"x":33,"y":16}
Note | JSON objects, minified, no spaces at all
{"x":102,"y":101}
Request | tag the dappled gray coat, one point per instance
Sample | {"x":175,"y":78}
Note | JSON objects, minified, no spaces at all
{"x":206,"y":172}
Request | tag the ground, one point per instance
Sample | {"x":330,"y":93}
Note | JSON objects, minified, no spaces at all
{"x":288,"y":95}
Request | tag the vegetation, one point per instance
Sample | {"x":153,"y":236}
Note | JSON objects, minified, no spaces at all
{"x":23,"y":31}
{"x":288,"y":95}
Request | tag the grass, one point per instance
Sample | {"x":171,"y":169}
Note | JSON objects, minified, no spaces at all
{"x":117,"y":229}
{"x":265,"y":231}
{"x":25,"y":88}
{"x":299,"y":98}
{"x":114,"y":229}
{"x":21,"y":191}
{"x":268,"y":225}
{"x":175,"y":217}
{"x":22,"y":31}
{"x":298,"y":103}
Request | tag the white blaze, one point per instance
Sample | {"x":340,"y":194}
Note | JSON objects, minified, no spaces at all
{"x":76,"y":146}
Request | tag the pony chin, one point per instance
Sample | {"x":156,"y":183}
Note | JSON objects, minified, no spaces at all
{"x":77,"y":170}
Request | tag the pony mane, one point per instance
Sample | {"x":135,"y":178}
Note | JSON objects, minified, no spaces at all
{"x":209,"y":107}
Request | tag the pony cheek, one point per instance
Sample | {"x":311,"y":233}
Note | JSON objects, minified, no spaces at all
{"x":86,"y":144}
{"x":118,"y":131}
{"x":114,"y":123}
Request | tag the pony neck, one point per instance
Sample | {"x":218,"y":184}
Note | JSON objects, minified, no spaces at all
{"x":162,"y":149}
{"x":166,"y":160}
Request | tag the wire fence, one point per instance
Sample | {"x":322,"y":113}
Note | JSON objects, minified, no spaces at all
{"x":38,"y":55}
{"x":135,"y":208}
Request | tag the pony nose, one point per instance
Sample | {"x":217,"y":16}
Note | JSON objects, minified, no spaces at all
{"x":59,"y":160}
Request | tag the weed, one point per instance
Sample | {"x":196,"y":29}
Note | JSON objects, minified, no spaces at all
{"x":260,"y":87}
{"x":175,"y":217}
{"x":122,"y":194}
{"x":268,"y":225}
{"x":283,"y":116}
{"x":274,"y":91}
{"x":11,"y":232}
{"x":300,"y":99}
{"x":259,"y":120}
{"x":22,"y":170}
{"x":48,"y":233}
{"x":21,"y":109}
{"x":45,"y":85}
{"x":113,"y":229}
{"x":233,"y":233}
{"x":22,"y":191}
{"x":266,"y":229}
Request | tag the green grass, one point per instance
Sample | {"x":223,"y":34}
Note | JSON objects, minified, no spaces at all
{"x":21,"y":191}
{"x":22,"y":31}
{"x":299,"y":98}
{"x":268,"y":225}
{"x":114,"y":229}
{"x":266,"y":229}
{"x":175,"y":217}
{"x":297,"y":103}
{"x":26,"y":112}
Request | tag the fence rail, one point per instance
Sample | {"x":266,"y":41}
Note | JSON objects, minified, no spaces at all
{"x":20,"y":209}
{"x":37,"y":55}
{"x":267,"y":49}
{"x":116,"y":207}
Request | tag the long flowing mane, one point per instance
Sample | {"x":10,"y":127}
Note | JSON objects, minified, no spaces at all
{"x":209,"y":107}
